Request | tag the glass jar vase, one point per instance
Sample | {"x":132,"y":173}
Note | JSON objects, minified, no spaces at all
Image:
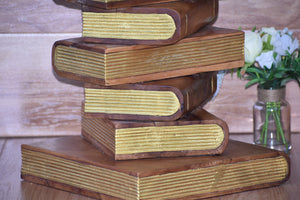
{"x":271,"y":119}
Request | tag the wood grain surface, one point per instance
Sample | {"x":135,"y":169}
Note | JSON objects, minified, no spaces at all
{"x":246,"y":14}
{"x":34,"y":102}
{"x":12,"y":187}
{"x":34,"y":16}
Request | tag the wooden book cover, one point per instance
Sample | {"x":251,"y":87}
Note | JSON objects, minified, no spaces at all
{"x":110,"y":4}
{"x":74,"y":165}
{"x":210,"y":49}
{"x":197,"y":133}
{"x":157,"y":24}
{"x":161,"y":100}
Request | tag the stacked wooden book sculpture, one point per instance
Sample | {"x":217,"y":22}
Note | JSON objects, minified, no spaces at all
{"x":148,"y":67}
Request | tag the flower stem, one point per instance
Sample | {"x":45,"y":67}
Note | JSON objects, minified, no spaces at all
{"x":263,"y":137}
{"x":278,"y":113}
{"x":279,"y":128}
{"x":273,"y":109}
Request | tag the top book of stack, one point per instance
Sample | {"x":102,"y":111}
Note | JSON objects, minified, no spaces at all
{"x":110,"y":4}
{"x":144,"y":22}
{"x":159,"y":24}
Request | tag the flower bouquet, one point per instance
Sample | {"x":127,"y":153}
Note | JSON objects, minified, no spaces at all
{"x":271,"y":60}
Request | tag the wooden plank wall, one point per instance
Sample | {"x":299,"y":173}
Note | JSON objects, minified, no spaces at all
{"x":34,"y":102}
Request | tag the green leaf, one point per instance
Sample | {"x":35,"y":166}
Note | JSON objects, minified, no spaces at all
{"x":278,"y":75}
{"x":239,"y":73}
{"x":254,"y":70}
{"x":252,"y":82}
{"x":284,"y":81}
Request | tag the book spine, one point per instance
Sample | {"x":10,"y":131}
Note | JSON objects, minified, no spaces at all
{"x":201,"y":13}
{"x":200,"y":92}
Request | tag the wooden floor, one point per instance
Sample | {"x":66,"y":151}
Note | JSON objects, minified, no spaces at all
{"x":13,"y":188}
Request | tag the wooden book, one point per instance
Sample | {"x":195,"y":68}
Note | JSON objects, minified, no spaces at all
{"x":198,"y":133}
{"x":161,"y":100}
{"x":164,"y":23}
{"x":74,"y":165}
{"x":210,"y":49}
{"x":110,"y":4}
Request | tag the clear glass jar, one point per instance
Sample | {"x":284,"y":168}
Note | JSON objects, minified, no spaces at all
{"x":271,"y":120}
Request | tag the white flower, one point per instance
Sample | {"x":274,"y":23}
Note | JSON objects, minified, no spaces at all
{"x":284,"y":43}
{"x":266,"y":59}
{"x":294,"y":46}
{"x":253,"y":46}
{"x":269,"y":31}
{"x":286,"y":31}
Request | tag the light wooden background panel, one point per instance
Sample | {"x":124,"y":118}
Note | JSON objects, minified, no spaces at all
{"x":34,"y":102}
{"x":249,"y":13}
{"x":38,"y":16}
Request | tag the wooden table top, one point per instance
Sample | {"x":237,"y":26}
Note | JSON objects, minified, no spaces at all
{"x":12,"y":187}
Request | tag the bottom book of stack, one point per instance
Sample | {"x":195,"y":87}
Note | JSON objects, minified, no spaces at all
{"x":73,"y":164}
